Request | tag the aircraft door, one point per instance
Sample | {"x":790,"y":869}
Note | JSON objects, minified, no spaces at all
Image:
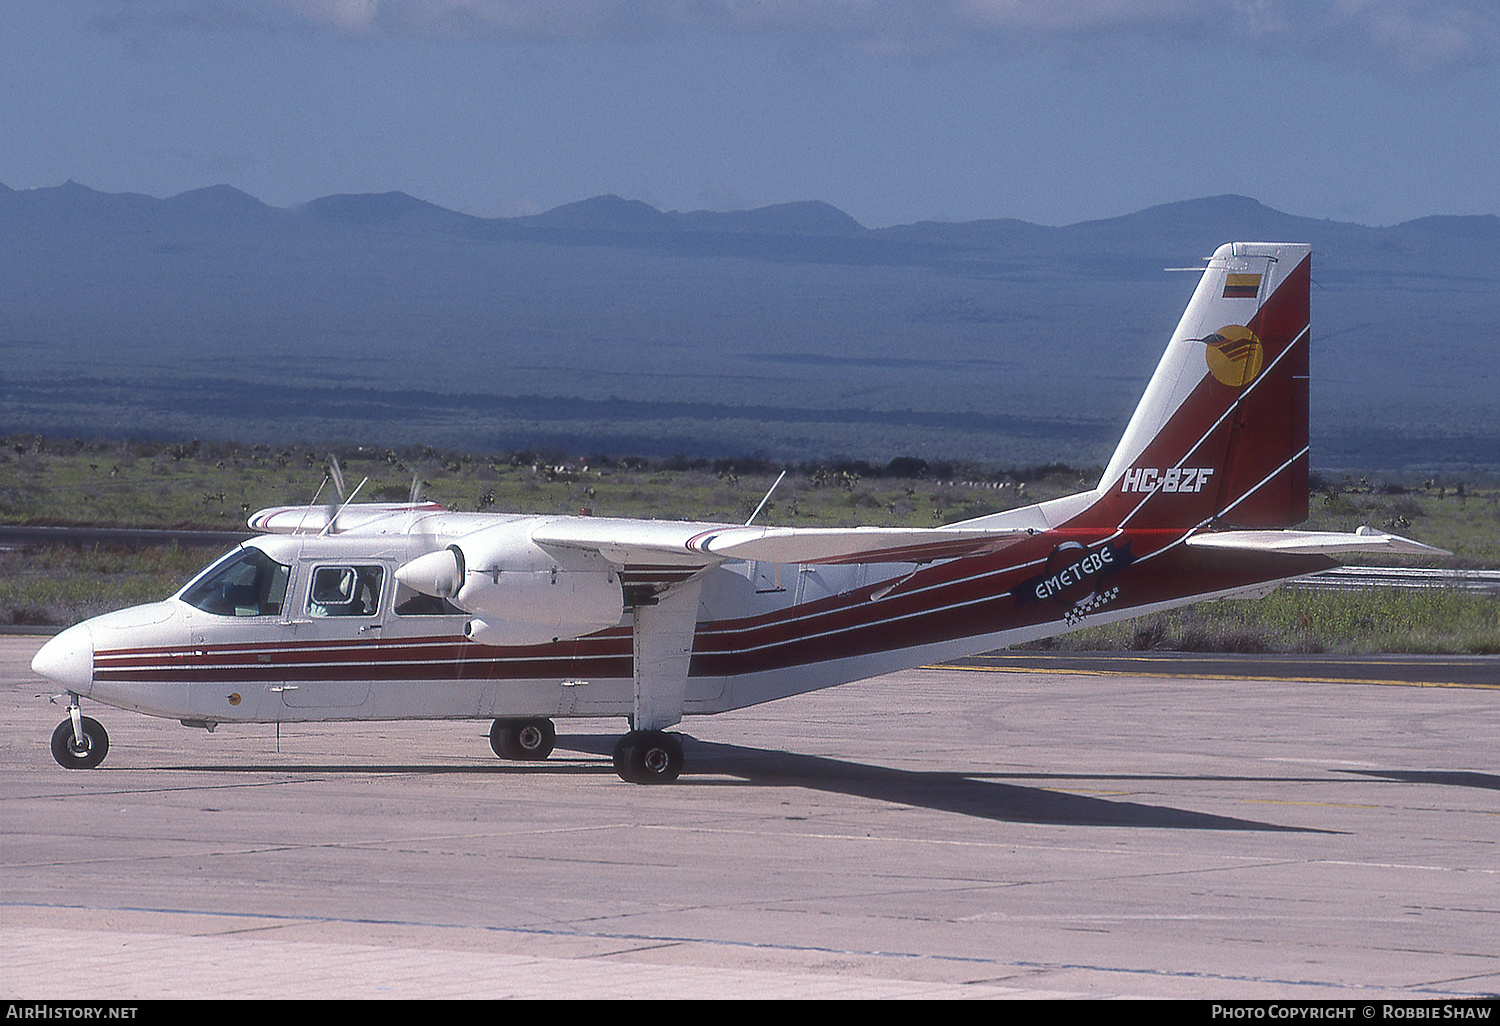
{"x":336,"y":615}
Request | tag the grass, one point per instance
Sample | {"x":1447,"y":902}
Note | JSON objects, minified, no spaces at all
{"x":1431,"y":621}
{"x":191,"y":484}
{"x":57,"y":585}
{"x":1449,"y":512}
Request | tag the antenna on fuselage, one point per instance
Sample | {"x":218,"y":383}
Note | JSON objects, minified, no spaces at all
{"x":334,"y":473}
{"x":764,"y":501}
{"x":310,"y":505}
{"x":328,"y":527}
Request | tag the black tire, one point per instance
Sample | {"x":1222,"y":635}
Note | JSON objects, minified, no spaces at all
{"x":648,"y":757}
{"x":93,"y":750}
{"x":529,"y":740}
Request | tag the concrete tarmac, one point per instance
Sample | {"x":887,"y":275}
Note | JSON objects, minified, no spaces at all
{"x":982,"y":832}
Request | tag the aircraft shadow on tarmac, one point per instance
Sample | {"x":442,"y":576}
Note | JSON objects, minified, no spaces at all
{"x":976,"y":795}
{"x":1454,"y":778}
{"x":967,"y":794}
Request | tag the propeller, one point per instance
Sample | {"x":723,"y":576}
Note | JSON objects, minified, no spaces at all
{"x":334,"y":474}
{"x":419,"y":529}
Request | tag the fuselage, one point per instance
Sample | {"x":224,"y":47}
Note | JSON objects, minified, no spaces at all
{"x":269,"y":645}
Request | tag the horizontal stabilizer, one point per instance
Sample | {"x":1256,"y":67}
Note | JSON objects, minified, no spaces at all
{"x":1325,"y":543}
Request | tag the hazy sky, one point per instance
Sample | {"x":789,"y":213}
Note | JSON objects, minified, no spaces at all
{"x":1054,"y":111}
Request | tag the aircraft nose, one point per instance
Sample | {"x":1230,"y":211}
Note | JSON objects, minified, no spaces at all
{"x":68,"y":659}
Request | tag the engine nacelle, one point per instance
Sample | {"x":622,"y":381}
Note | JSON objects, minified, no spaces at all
{"x":521,"y":607}
{"x":518,"y":593}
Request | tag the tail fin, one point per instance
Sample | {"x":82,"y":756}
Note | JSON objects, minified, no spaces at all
{"x":1221,"y":434}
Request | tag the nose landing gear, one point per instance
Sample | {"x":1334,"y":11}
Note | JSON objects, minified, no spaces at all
{"x":79,"y":742}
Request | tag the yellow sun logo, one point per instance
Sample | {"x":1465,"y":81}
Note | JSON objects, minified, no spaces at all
{"x":1234,"y":355}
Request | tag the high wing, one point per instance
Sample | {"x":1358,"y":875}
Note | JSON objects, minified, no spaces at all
{"x":631,"y":541}
{"x":371,"y":517}
{"x":1324,"y":543}
{"x":627,"y":542}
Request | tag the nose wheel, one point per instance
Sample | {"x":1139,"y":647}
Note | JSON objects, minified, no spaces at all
{"x":80,"y":743}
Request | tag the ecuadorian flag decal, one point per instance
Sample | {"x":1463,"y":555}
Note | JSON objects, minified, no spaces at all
{"x":1241,"y":286}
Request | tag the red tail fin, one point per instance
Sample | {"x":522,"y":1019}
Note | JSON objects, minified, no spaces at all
{"x":1221,"y":433}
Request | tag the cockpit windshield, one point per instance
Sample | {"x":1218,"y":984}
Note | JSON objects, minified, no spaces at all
{"x":244,"y":583}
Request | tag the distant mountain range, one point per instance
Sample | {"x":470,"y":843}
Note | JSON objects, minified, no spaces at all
{"x":789,"y":330}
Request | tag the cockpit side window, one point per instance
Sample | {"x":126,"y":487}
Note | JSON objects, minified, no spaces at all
{"x":246,"y":583}
{"x":345,"y":591}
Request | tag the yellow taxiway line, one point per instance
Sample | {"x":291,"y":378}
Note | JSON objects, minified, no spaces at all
{"x":1214,"y":676}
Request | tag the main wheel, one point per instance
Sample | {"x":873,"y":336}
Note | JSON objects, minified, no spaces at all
{"x":71,"y":755}
{"x":523,"y":739}
{"x":648,"y":757}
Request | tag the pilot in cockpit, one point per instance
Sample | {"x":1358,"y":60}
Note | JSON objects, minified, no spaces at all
{"x":344,"y":591}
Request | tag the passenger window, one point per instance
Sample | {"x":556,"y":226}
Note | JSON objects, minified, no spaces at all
{"x":244,"y":583}
{"x":344,"y":591}
{"x":410,"y":602}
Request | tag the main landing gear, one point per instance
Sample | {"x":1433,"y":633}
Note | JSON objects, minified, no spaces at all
{"x":79,"y":742}
{"x":530,"y":740}
{"x":648,"y":757}
{"x":641,"y":756}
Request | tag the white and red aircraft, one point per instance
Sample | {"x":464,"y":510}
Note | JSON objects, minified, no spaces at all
{"x":409,"y":611}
